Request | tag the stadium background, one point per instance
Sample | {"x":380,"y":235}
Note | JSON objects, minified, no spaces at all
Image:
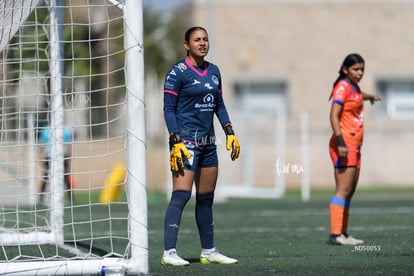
{"x":286,"y":55}
{"x":282,"y":56}
{"x":279,"y":58}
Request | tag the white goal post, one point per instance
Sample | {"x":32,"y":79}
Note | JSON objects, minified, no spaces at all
{"x":72,"y":145}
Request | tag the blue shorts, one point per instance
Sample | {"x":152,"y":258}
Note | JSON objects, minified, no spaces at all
{"x":202,"y":156}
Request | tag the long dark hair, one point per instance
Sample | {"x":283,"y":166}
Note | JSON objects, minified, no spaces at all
{"x":349,"y":60}
{"x":188,"y":33}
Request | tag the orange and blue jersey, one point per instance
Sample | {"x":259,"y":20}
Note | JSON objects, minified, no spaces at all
{"x":351,"y":122}
{"x":352,"y":116}
{"x":192,"y":95}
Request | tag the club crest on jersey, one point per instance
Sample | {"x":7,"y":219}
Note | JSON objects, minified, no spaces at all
{"x":215,"y":80}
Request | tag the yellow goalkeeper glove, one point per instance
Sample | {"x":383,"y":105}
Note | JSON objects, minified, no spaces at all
{"x":231,"y":142}
{"x":177,"y":150}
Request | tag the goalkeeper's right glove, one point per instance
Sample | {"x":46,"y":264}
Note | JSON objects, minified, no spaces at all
{"x":177,"y":150}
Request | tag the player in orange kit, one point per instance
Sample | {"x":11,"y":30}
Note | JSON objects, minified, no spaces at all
{"x":347,"y":122}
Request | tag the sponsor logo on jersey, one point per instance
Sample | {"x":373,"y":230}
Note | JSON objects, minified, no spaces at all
{"x":181,"y":66}
{"x":208,"y":103}
{"x":360,"y":120}
{"x":340,"y":90}
{"x":170,"y":78}
{"x":208,"y":98}
{"x":169,"y":85}
{"x":195,"y":82}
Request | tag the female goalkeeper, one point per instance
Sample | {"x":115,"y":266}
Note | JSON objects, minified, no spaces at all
{"x":192,"y":95}
{"x":347,"y":122}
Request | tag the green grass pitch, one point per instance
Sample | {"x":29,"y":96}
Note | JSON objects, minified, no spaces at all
{"x":268,"y":236}
{"x":288,"y":237}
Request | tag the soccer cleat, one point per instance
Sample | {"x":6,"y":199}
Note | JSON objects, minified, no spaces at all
{"x":173,"y":259}
{"x":216,"y":258}
{"x":343,"y":240}
{"x":353,"y":240}
{"x":337,"y":240}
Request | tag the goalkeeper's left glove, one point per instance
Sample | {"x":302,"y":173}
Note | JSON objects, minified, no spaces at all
{"x":231,"y":142}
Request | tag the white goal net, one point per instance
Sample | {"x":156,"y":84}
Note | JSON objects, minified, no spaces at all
{"x":72,"y":141}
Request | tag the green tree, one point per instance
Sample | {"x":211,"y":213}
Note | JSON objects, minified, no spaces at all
{"x":163,"y":40}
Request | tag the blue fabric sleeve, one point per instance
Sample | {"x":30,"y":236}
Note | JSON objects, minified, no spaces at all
{"x":221,"y":111}
{"x":170,"y":107}
{"x":172,"y":85}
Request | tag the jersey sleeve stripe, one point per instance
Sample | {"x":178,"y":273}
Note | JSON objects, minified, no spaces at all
{"x":171,"y":92}
{"x":338,"y":102}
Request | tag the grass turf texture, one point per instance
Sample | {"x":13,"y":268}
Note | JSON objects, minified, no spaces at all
{"x":288,"y":237}
{"x":267,"y":236}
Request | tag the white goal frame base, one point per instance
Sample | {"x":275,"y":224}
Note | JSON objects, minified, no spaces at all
{"x":75,"y":267}
{"x":251,"y":192}
{"x":13,"y":238}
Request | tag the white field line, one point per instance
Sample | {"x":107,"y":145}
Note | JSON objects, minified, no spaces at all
{"x":259,"y":229}
{"x":307,"y":212}
{"x":360,"y":210}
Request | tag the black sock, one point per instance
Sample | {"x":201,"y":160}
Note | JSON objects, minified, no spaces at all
{"x":334,"y":236}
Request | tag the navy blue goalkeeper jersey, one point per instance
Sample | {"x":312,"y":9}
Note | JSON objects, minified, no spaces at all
{"x":192,"y":96}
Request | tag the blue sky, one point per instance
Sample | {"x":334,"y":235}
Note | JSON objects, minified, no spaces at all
{"x":164,"y":5}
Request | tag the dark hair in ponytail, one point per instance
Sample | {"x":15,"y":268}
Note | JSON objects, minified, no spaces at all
{"x":188,"y":33}
{"x":349,"y":60}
